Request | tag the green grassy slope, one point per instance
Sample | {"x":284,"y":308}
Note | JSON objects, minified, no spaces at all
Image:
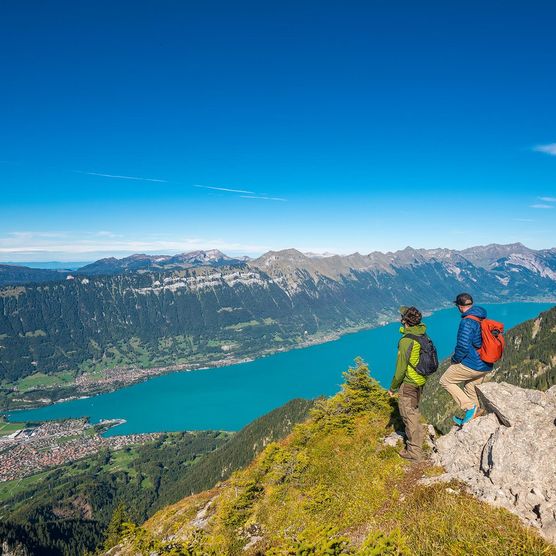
{"x":333,"y":487}
{"x":80,"y":497}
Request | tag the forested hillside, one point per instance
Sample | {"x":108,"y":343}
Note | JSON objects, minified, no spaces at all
{"x":198,"y":315}
{"x":66,"y":510}
{"x":13,"y":275}
{"x":529,"y":361}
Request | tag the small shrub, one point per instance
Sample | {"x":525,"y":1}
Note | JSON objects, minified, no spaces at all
{"x":381,"y":544}
{"x":314,"y":542}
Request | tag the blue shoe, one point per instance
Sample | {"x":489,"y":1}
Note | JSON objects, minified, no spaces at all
{"x":469,"y":414}
{"x":457,"y":421}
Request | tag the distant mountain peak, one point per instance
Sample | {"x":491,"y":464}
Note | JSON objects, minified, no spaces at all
{"x":290,"y":254}
{"x":326,"y":254}
{"x":141,"y":262}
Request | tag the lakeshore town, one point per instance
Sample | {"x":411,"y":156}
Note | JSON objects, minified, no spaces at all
{"x":35,"y":448}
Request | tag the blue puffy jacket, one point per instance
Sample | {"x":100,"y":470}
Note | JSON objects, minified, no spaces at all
{"x":470,"y":340}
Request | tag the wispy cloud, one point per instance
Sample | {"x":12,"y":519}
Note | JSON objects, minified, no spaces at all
{"x":106,"y":233}
{"x":548,"y":203}
{"x":27,"y":235}
{"x":262,"y":197}
{"x":135,"y":178}
{"x":244,"y":194}
{"x":42,"y":246}
{"x":550,"y":149}
{"x":227,"y":189}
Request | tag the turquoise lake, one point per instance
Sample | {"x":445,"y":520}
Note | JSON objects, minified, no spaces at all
{"x":227,"y":398}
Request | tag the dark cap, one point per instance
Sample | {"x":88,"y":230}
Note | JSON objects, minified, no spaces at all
{"x":464,"y":299}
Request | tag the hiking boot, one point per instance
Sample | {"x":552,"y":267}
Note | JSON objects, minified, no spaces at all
{"x":458,"y":421}
{"x":469,"y":414}
{"x":409,"y":456}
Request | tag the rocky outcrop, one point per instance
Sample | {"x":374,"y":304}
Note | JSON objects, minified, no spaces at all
{"x":508,"y":457}
{"x":8,"y":548}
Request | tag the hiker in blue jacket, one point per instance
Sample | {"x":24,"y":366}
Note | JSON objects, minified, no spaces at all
{"x":467,"y":367}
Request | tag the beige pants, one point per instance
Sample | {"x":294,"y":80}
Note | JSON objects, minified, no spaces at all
{"x":408,"y":403}
{"x":458,"y":373}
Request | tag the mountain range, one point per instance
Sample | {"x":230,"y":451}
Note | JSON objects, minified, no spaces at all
{"x":112,"y":265}
{"x":493,"y":257}
{"x":13,"y":274}
{"x":225,"y":312}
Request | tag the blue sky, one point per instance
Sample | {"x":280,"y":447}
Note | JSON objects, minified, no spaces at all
{"x":327,"y":126}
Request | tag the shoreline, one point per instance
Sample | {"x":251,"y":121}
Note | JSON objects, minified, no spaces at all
{"x":152,"y":372}
{"x":143,"y":375}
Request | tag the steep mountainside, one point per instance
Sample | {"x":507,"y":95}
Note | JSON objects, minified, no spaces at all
{"x":333,"y":487}
{"x":196,"y":315}
{"x":529,"y":361}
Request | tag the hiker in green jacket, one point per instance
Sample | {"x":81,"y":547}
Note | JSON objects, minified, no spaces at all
{"x":410,"y":383}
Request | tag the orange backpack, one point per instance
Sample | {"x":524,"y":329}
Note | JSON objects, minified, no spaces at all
{"x":493,"y":339}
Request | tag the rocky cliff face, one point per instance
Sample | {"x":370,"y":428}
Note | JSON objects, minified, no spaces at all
{"x":508,"y":457}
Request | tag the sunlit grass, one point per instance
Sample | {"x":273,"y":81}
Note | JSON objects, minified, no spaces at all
{"x":332,"y":487}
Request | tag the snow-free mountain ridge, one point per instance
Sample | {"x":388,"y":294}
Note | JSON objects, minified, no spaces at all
{"x":231,"y":309}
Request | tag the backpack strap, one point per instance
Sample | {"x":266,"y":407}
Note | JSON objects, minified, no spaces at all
{"x":410,"y":348}
{"x":473,"y":317}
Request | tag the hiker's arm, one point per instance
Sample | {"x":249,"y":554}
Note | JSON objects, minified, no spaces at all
{"x":463,"y":344}
{"x":401,"y":367}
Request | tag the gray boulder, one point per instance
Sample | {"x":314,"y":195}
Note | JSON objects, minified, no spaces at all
{"x":508,"y":457}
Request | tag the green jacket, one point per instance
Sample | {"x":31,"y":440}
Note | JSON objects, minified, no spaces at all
{"x":404,"y":373}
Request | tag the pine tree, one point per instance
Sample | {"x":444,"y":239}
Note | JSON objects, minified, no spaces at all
{"x":116,"y":527}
